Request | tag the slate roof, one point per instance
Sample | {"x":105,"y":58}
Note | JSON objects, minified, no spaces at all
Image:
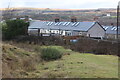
{"x":111,"y":29}
{"x":76,"y":26}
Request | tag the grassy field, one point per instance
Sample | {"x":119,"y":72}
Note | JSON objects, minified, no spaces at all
{"x":81,"y":66}
{"x":71,"y":65}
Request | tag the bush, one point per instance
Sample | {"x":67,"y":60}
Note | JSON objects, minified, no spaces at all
{"x":14,"y":28}
{"x":50,"y":54}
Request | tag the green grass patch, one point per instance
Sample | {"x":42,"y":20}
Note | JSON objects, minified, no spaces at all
{"x":79,"y":65}
{"x":59,"y":48}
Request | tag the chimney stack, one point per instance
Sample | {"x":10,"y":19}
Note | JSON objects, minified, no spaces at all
{"x":73,"y":19}
{"x":57,"y":19}
{"x":18,"y":17}
{"x":112,"y":24}
{"x":95,"y":18}
{"x":26,"y":18}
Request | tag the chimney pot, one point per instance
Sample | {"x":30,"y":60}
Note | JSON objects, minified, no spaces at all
{"x":73,"y":19}
{"x":112,"y":24}
{"x":57,"y":19}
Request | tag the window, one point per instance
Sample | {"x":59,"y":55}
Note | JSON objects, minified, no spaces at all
{"x":73,"y":23}
{"x":51,"y":23}
{"x":77,"y":23}
{"x":113,"y":28}
{"x":56,"y":23}
{"x":48,"y":23}
{"x":64,"y":23}
{"x":106,"y":28}
{"x":80,"y":33}
{"x":59,"y":23}
{"x":67,"y":23}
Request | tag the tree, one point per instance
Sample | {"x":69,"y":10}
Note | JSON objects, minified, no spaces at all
{"x":13,"y":28}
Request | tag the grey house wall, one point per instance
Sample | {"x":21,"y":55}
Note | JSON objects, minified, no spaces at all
{"x":75,"y":33}
{"x":112,"y":36}
{"x":83,"y":33}
{"x":96,"y":31}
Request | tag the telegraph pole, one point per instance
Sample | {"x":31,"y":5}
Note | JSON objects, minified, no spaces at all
{"x":9,"y":4}
{"x":117,"y":20}
{"x":118,"y":15}
{"x":118,"y":28}
{"x":8,"y":14}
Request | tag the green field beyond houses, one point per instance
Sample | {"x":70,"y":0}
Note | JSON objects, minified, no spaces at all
{"x":71,"y":65}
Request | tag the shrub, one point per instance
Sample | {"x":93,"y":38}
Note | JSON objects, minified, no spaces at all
{"x":50,"y":54}
{"x":14,"y":28}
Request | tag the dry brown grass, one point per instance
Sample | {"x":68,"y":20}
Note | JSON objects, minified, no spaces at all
{"x":17,"y":62}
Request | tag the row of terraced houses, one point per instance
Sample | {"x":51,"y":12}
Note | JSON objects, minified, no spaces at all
{"x":91,"y":29}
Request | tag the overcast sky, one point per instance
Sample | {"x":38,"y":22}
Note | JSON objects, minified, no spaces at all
{"x":61,"y":4}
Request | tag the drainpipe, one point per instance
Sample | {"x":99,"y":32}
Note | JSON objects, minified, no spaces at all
{"x":38,"y":32}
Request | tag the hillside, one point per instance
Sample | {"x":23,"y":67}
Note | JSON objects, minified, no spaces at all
{"x":28,"y":8}
{"x":49,"y":14}
{"x":23,"y":60}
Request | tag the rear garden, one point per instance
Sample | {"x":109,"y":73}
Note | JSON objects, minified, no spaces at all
{"x":25,"y":61}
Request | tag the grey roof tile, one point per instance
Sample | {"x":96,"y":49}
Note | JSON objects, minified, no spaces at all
{"x":78,"y":26}
{"x":111,"y":29}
